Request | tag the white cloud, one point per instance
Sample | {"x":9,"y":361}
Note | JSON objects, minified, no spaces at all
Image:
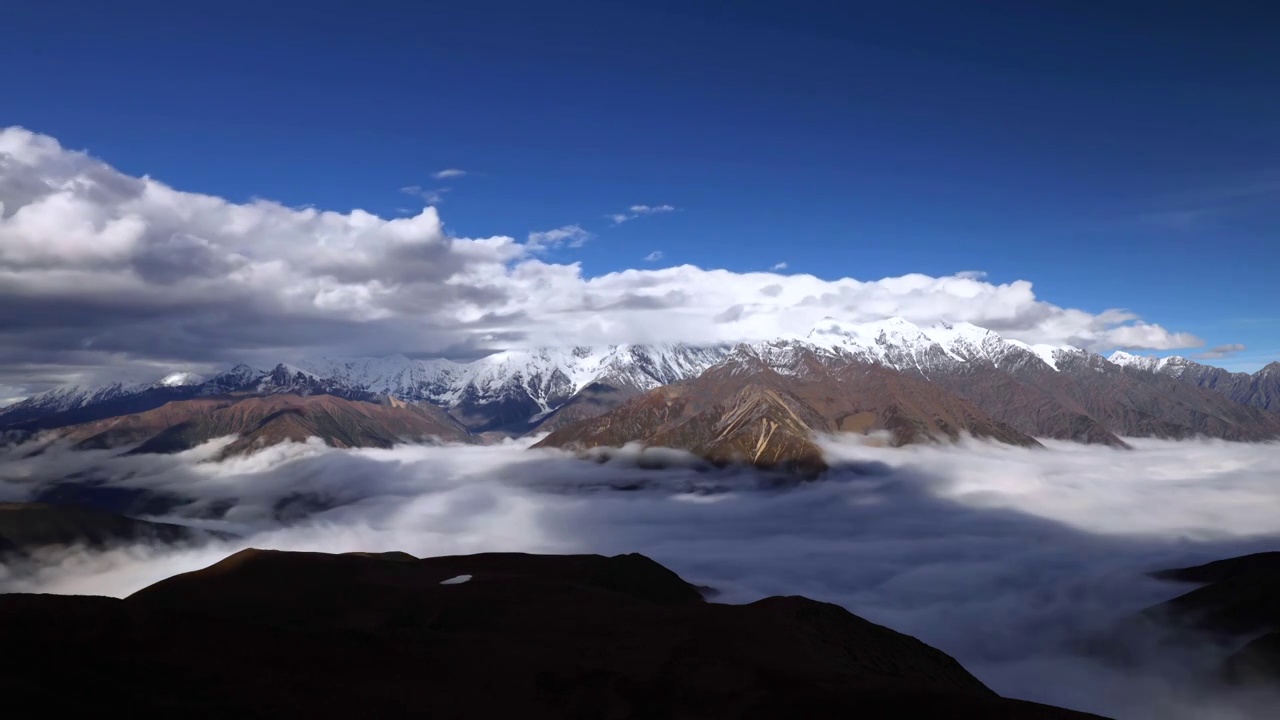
{"x":972,"y":274}
{"x":1144,"y":335}
{"x":103,"y":272}
{"x":1001,"y":557}
{"x":568,"y":235}
{"x":1222,"y":351}
{"x":448,"y":173}
{"x":431,"y":197}
{"x":636,"y":211}
{"x":779,"y":266}
{"x":654,"y":256}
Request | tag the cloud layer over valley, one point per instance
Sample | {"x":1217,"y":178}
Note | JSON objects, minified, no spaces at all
{"x":1001,"y":556}
{"x":108,"y":276}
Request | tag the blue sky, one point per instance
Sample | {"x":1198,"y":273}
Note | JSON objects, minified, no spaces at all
{"x":1116,"y":157}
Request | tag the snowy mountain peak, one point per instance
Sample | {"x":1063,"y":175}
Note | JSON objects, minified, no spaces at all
{"x":233,"y":379}
{"x":547,"y":376}
{"x":180,"y":379}
{"x":1048,"y":354}
{"x":74,"y":396}
{"x":1151,"y":363}
{"x":903,"y":345}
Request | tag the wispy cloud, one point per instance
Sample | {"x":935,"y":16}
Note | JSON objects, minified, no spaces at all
{"x":431,"y":197}
{"x":573,"y":236}
{"x":636,"y":211}
{"x":448,"y":173}
{"x":1194,"y":209}
{"x":1221,"y":351}
{"x":972,"y":274}
{"x":654,"y":256}
{"x":779,"y":266}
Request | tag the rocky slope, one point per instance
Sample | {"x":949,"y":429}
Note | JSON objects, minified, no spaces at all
{"x":260,"y":420}
{"x":1055,"y":392}
{"x":271,"y":634}
{"x":761,"y":406}
{"x":1260,"y":390}
{"x":1143,"y":404}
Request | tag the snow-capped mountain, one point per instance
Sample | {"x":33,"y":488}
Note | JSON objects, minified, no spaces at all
{"x":1261,"y":389}
{"x":509,"y":388}
{"x":1147,"y":362}
{"x":543,"y":374}
{"x":180,"y":379}
{"x":71,"y":397}
{"x":904,"y":346}
{"x":74,"y":397}
{"x":1040,"y":390}
{"x":506,"y":390}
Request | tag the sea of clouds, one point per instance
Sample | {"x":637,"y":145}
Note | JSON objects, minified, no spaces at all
{"x":1006,"y":558}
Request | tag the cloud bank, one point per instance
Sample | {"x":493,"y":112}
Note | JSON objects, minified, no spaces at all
{"x":105,"y":275}
{"x":1002,"y":557}
{"x":1222,"y":351}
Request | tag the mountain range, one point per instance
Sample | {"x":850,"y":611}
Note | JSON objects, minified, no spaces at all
{"x":758,"y":402}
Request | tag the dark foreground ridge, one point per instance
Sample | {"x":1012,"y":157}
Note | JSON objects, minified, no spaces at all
{"x":1239,"y":600}
{"x":276,"y":634}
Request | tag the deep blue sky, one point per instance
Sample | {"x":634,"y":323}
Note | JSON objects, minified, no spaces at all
{"x":1117,"y":155}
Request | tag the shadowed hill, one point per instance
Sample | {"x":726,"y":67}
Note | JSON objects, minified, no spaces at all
{"x":260,"y":420}
{"x":30,"y":527}
{"x":266,"y":634}
{"x":1235,"y":610}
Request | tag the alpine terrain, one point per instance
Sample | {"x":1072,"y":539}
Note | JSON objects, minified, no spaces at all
{"x":755,"y":402}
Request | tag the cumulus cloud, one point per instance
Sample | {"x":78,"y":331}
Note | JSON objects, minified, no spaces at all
{"x":108,"y":276}
{"x":1221,"y":351}
{"x":1144,"y":335}
{"x":636,"y":211}
{"x":654,"y":256}
{"x":1002,"y":557}
{"x":448,"y":173}
{"x":568,"y":235}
